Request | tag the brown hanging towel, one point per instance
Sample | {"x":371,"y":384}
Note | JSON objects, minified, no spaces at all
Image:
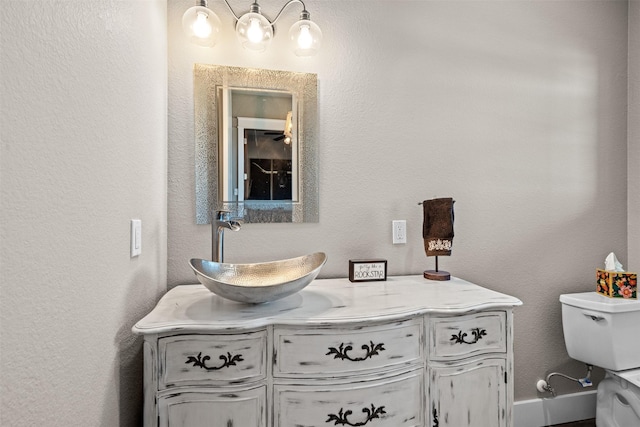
{"x":437,"y":227}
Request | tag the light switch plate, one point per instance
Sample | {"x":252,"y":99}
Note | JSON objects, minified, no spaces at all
{"x":136,"y":237}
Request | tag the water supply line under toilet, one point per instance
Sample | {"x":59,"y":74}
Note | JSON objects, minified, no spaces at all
{"x":545,"y":386}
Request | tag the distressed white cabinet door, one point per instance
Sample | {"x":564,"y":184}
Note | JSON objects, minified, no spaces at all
{"x":468,"y":394}
{"x":245,"y":408}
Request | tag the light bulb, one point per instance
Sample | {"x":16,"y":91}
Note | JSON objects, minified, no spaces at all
{"x":201,"y":28}
{"x":305,"y":37}
{"x":254,"y":33}
{"x":201,"y":25}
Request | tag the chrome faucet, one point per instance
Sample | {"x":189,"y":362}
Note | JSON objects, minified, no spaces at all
{"x":220,"y":222}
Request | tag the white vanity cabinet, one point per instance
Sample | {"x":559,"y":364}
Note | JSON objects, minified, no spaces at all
{"x":469,"y":369}
{"x":401,"y":353}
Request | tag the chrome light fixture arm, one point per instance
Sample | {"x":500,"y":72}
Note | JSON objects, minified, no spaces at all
{"x":230,"y":10}
{"x":255,"y":7}
{"x":303,"y":15}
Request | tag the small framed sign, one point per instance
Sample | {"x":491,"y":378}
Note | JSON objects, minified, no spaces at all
{"x":367,"y":270}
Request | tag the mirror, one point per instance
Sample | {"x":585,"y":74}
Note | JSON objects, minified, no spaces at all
{"x":256,"y":144}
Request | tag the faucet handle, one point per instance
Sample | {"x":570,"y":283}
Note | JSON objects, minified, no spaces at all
{"x":227,"y":215}
{"x":223,"y":215}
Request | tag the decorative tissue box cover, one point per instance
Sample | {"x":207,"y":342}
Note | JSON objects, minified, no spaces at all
{"x":617,"y":284}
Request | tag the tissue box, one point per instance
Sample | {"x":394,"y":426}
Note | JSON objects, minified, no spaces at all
{"x":617,"y":284}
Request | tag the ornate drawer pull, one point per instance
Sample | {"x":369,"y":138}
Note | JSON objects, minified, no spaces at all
{"x":341,"y":352}
{"x":227,"y":361}
{"x":460,"y":337}
{"x":436,"y":423}
{"x":341,"y":418}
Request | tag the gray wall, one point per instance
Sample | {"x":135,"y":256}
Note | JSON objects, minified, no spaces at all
{"x":84,"y":150}
{"x":515,"y":109}
{"x":634,"y":136}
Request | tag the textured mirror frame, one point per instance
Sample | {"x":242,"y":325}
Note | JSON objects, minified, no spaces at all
{"x":304,"y":87}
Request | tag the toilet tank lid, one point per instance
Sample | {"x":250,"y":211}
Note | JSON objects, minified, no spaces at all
{"x":597,"y":302}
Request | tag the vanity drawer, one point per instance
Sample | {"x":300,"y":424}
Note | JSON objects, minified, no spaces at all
{"x":336,"y":352}
{"x":211,"y":359}
{"x":208,"y":407}
{"x":390,"y":402}
{"x":464,"y":336}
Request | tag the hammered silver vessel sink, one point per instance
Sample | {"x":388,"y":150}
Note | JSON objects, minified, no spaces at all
{"x":259,"y":282}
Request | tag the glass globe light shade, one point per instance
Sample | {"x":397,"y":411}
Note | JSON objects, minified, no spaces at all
{"x":305,"y":38}
{"x":201,"y":25}
{"x":254,"y":31}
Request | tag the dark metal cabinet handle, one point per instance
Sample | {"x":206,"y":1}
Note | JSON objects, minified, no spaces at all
{"x":370,"y":351}
{"x":477,"y":333}
{"x":341,"y":417}
{"x":227,"y":360}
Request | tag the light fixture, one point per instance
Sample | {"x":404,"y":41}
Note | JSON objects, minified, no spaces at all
{"x":305,"y":36}
{"x":201,"y":25}
{"x":254,"y":30}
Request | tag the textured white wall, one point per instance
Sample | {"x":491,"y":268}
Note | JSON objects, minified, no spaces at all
{"x":83,"y":104}
{"x":633,"y":215}
{"x":516,"y":109}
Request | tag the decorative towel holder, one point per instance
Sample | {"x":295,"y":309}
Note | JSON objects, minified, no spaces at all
{"x":437,"y":231}
{"x":436,"y":274}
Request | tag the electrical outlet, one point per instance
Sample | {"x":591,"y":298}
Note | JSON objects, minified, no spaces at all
{"x":399,"y":229}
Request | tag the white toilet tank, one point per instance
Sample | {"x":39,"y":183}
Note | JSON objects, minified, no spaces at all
{"x":602,"y":331}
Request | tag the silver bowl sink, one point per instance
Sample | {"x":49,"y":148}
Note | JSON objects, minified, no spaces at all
{"x":260,"y":282}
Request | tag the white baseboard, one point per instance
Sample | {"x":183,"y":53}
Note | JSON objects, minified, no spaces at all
{"x":562,"y":409}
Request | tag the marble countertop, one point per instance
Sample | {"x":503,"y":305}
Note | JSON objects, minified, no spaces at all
{"x":325,"y":301}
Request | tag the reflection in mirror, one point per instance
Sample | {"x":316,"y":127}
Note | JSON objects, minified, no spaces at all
{"x":256,"y":147}
{"x":264,"y":164}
